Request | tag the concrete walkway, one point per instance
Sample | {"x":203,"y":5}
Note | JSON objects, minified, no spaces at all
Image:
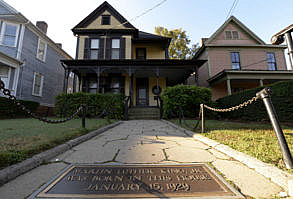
{"x":144,"y":142}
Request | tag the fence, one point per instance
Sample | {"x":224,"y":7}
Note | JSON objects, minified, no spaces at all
{"x":82,"y":109}
{"x":264,"y":95}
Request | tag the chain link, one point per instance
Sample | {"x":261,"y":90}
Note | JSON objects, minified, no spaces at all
{"x":34,"y":115}
{"x":248,"y":102}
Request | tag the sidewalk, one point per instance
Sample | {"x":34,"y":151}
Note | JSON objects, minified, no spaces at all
{"x":144,"y":142}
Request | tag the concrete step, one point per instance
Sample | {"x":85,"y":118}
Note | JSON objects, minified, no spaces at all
{"x":147,"y":113}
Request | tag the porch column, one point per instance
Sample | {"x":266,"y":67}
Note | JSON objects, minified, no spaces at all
{"x":157,"y":76}
{"x":98,"y":71}
{"x":65,"y":82}
{"x":229,"y":86}
{"x":130,"y":74}
{"x":261,"y":83}
{"x":74,"y":83}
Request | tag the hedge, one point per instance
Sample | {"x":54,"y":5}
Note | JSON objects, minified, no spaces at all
{"x":282,"y":99}
{"x":9,"y":110}
{"x":67,"y":104}
{"x":189,"y":97}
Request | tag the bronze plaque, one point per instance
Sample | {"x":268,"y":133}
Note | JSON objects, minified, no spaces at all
{"x":124,"y":181}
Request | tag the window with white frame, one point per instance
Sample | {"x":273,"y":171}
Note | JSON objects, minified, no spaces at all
{"x":235,"y":59}
{"x":38,"y":84}
{"x":4,"y":74}
{"x":9,"y":34}
{"x":115,"y":51}
{"x":94,"y":49}
{"x":271,"y":61}
{"x":231,"y":34}
{"x":42,"y":50}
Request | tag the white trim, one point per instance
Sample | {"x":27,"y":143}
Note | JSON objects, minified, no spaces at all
{"x":20,"y":43}
{"x":41,"y":85}
{"x":45,"y":50}
{"x":3,"y":28}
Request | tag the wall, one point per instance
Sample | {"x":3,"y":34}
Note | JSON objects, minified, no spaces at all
{"x":51,"y":69}
{"x":152,"y":51}
{"x":250,"y":58}
{"x":152,"y":83}
{"x":244,"y":38}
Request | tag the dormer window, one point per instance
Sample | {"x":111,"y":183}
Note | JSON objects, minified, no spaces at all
{"x":231,"y":35}
{"x":106,"y":19}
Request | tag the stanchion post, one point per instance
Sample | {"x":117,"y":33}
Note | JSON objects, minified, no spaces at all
{"x":202,"y":118}
{"x":83,"y":116}
{"x":265,"y":95}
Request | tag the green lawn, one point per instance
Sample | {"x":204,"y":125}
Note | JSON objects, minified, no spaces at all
{"x":22,"y":138}
{"x":254,"y":139}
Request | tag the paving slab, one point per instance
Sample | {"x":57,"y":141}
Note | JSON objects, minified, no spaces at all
{"x":186,"y":154}
{"x":249,"y":182}
{"x":27,"y":183}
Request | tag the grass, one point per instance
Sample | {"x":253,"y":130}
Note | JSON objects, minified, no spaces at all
{"x":23,"y":138}
{"x":255,"y":139}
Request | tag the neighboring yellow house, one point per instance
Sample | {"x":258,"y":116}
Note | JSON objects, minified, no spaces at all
{"x":115,"y":57}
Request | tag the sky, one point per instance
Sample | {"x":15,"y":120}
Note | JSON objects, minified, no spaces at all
{"x":199,"y":18}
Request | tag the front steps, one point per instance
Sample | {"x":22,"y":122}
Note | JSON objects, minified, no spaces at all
{"x":144,"y":113}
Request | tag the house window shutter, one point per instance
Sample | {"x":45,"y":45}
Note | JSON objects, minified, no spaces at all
{"x":122,"y":48}
{"x":108,"y":48}
{"x":86,"y":48}
{"x":101,"y":55}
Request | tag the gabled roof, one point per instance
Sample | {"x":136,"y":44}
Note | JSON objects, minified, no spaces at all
{"x":241,"y":25}
{"x":146,"y":35}
{"x":98,"y":11}
{"x":222,"y":28}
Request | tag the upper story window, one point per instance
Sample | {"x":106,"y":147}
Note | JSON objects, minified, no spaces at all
{"x":106,"y":20}
{"x":42,"y":50}
{"x":235,"y":59}
{"x":115,"y":50}
{"x":271,"y":61}
{"x":231,"y":35}
{"x":38,"y":84}
{"x":140,"y":53}
{"x":94,"y":48}
{"x":9,"y":34}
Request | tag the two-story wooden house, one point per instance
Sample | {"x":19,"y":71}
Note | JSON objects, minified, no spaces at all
{"x":115,"y":57}
{"x":238,"y":59}
{"x":29,"y":59}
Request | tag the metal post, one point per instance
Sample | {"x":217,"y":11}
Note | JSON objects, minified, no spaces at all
{"x":265,"y":96}
{"x":202,"y":119}
{"x":289,"y":42}
{"x":83,"y":116}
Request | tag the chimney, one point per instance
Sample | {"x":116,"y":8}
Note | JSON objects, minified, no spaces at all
{"x":202,"y":41}
{"x":59,"y":45}
{"x":43,"y":26}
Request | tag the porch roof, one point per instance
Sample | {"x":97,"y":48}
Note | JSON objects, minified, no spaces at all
{"x":175,"y":70}
{"x":251,"y":74}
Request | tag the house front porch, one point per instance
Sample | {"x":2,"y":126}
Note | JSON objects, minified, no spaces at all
{"x":141,"y":80}
{"x":231,"y":81}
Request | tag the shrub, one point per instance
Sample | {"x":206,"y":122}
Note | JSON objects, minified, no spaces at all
{"x":9,"y":110}
{"x":67,"y":104}
{"x":282,"y":99}
{"x":188,"y":97}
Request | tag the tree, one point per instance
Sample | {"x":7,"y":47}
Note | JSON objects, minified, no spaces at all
{"x":179,"y":46}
